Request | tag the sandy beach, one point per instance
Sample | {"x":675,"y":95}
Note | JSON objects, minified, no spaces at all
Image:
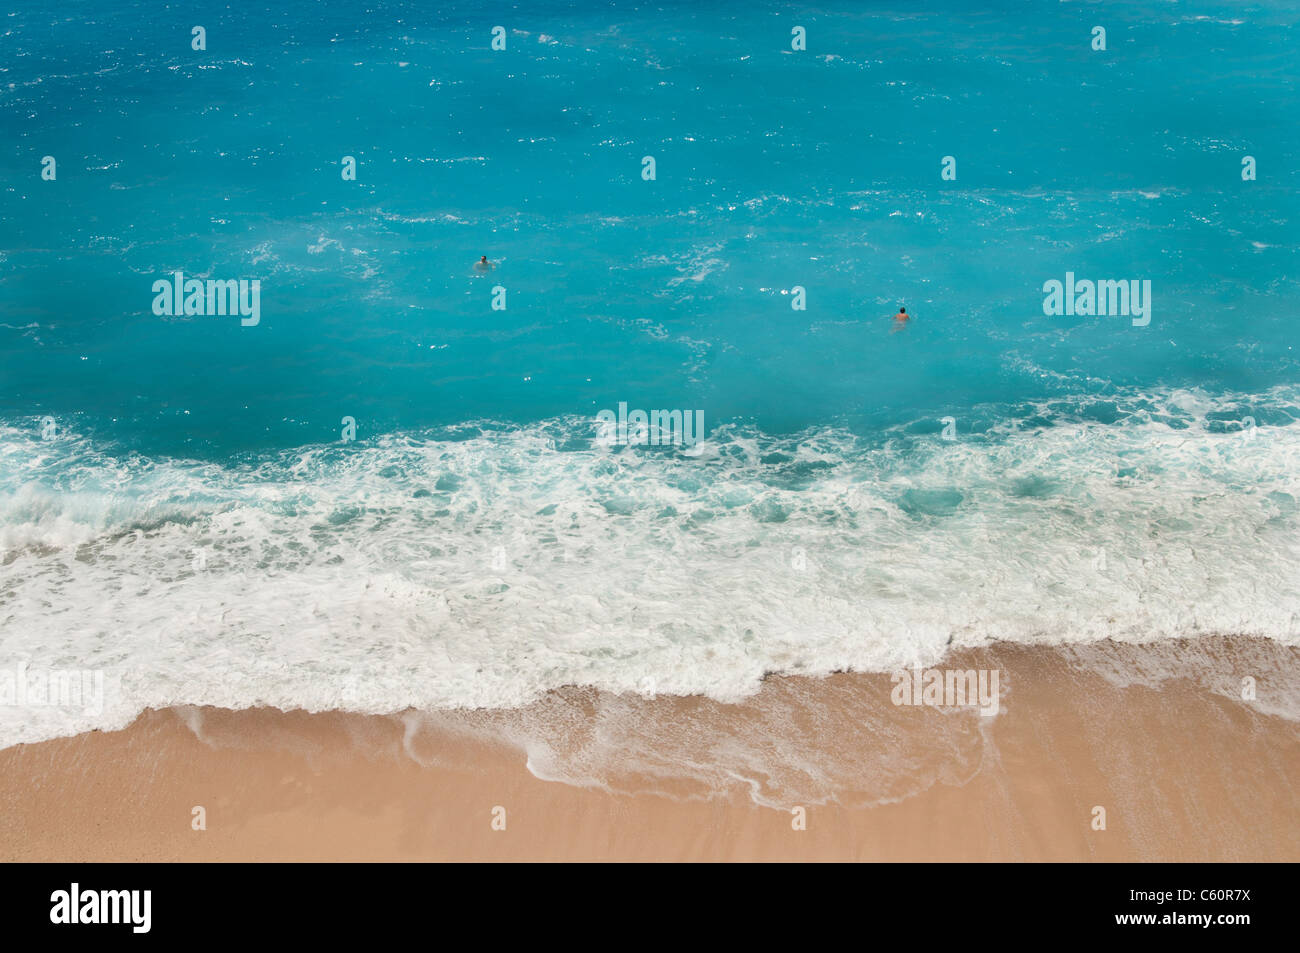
{"x":1182,"y":771}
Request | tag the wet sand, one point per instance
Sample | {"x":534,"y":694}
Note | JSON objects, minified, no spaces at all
{"x":1184,"y":768}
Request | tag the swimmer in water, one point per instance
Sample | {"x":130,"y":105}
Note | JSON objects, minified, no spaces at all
{"x":900,"y":319}
{"x":483,"y":264}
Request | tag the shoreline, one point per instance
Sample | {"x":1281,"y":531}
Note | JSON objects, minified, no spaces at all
{"x":1183,"y":770}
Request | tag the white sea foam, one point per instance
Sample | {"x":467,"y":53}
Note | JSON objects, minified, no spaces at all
{"x":484,"y":570}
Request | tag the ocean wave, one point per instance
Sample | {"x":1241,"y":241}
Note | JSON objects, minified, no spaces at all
{"x":484,"y":566}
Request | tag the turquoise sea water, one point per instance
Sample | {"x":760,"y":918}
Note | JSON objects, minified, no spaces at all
{"x":194,"y":524}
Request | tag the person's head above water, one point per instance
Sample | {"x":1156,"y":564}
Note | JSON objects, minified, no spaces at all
{"x":483,"y":259}
{"x":902,"y":310}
